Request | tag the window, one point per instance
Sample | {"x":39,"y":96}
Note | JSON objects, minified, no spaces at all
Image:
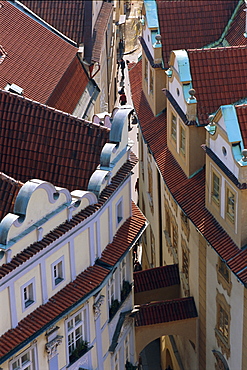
{"x":127,"y":348}
{"x":223,"y":323}
{"x":123,"y":272}
{"x":119,"y":208}
{"x":145,"y":69}
{"x":57,"y":272}
{"x":111,"y":291}
{"x":222,"y":331}
{"x":216,"y":189}
{"x":28,"y":294}
{"x":76,"y":335}
{"x":182,"y":140}
{"x":174,"y":127}
{"x":116,"y":362}
{"x":230,"y":205}
{"x":151,"y":82}
{"x":223,"y":269}
{"x":25,"y":361}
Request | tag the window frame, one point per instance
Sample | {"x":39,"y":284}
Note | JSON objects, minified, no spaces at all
{"x":223,"y":323}
{"x":32,"y":361}
{"x":182,"y":141}
{"x":119,"y":212}
{"x":84,"y":336}
{"x":230,"y":215}
{"x":59,"y":279}
{"x":174,"y":127}
{"x":31,"y":298}
{"x":215,"y":196}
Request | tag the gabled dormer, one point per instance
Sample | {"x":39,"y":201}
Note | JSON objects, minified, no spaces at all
{"x":153,"y":76}
{"x":226,"y":170}
{"x":184,"y":134}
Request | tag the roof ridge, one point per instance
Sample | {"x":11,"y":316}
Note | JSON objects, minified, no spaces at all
{"x":55,"y":110}
{"x":10,"y":180}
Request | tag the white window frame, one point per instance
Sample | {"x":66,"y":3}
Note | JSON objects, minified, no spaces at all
{"x":28,"y":289}
{"x":30,"y":364}
{"x":111,"y":291}
{"x":59,"y":263}
{"x":127,"y":348}
{"x":119,"y":212}
{"x":123,"y":272}
{"x":83,"y":323}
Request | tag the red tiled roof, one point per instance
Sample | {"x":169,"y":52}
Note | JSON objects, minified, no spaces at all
{"x":39,"y":142}
{"x":242,"y":119}
{"x":38,"y":67}
{"x":219,"y":77}
{"x":189,"y":193}
{"x":192,"y":24}
{"x":9,"y":189}
{"x":70,"y":88}
{"x":99,"y":30}
{"x":55,"y":234}
{"x":73,"y":293}
{"x":235,"y":35}
{"x":155,"y":278}
{"x":67,"y":16}
{"x":129,"y":231}
{"x":165,"y":311}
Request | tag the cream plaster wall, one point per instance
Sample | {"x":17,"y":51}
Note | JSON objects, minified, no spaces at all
{"x":63,"y":251}
{"x":124,"y":194}
{"x":104,"y":230}
{"x":82,"y":251}
{"x":5,"y":320}
{"x":32,"y":273}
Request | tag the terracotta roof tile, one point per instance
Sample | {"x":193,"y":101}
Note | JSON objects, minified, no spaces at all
{"x":9,"y":189}
{"x":99,"y":30}
{"x":192,"y":24}
{"x":84,"y":284}
{"x":235,"y":35}
{"x":227,"y":81}
{"x":39,"y":147}
{"x":155,"y":278}
{"x":188,"y":193}
{"x":67,"y":16}
{"x":53,"y":59}
{"x":165,"y":311}
{"x":124,"y":237}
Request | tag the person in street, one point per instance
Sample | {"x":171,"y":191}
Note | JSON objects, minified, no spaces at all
{"x":122,"y":99}
{"x":122,"y":66}
{"x":121,"y":91}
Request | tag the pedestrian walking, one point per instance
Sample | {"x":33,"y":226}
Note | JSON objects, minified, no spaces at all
{"x":122,"y":99}
{"x":122,"y":66}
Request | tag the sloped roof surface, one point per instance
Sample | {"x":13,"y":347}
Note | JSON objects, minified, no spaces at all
{"x":219,"y":77}
{"x":192,"y":24}
{"x":155,"y":278}
{"x":73,"y":293}
{"x":37,"y":60}
{"x":188,"y":193}
{"x":70,"y":88}
{"x":40,"y":142}
{"x":67,"y":16}
{"x":9,"y":189}
{"x":165,"y":311}
{"x":235,"y":34}
{"x":242,"y":119}
{"x":99,"y":30}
